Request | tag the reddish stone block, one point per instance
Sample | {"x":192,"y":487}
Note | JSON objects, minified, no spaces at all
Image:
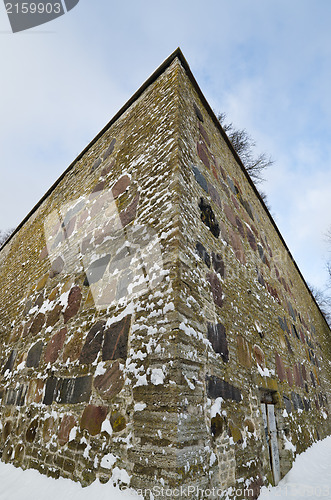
{"x":73,"y":349}
{"x":92,"y":418}
{"x":235,"y":202}
{"x":54,"y":346}
{"x":280,"y":368}
{"x":303,"y":372}
{"x":93,"y":343}
{"x":70,"y":227}
{"x":129,"y":214}
{"x":97,"y":189}
{"x":121,"y":186}
{"x":251,"y":239}
{"x":203,"y":154}
{"x":244,"y":352}
{"x":297,"y":376}
{"x":43,"y":253}
{"x":223,"y":172}
{"x":204,"y":134}
{"x":74,"y":300}
{"x":54,"y":315}
{"x":216,"y":289}
{"x":230,"y":214}
{"x":215,"y":174}
{"x":259,"y":356}
{"x":111,"y":382}
{"x":116,"y":340}
{"x":237,"y":246}
{"x":240,"y":227}
{"x":37,"y":324}
{"x":67,"y":423}
{"x":214,"y":195}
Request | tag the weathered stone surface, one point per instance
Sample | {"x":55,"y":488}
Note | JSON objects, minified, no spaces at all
{"x":54,"y":346}
{"x":10,"y":362}
{"x":68,"y":390}
{"x":42,"y":282}
{"x":280,"y":367}
{"x":237,"y":246}
{"x":230,"y":215}
{"x":116,"y":340}
{"x":218,"y":340}
{"x":201,"y":180}
{"x":129,"y":214}
{"x":208,"y":218}
{"x":109,"y":150}
{"x":204,"y":134}
{"x":198,"y":112}
{"x":240,"y":227}
{"x":92,"y":418}
{"x":203,"y":254}
{"x":96,"y":164}
{"x":37,"y":324}
{"x":32,"y":431}
{"x":96,"y":270}
{"x":218,"y":388}
{"x":203,"y":154}
{"x":259,"y":356}
{"x":297,"y":401}
{"x":54,"y":315}
{"x":34,"y":355}
{"x":218,"y":264}
{"x":35,"y":391}
{"x":93,"y":343}
{"x":111,"y":382}
{"x":216,"y":289}
{"x":287,"y":404}
{"x":244,"y":352}
{"x":289,"y":376}
{"x":48,"y":429}
{"x":297,"y":376}
{"x":74,"y":299}
{"x":121,"y":186}
{"x":43,"y":254}
{"x":67,"y":423}
{"x":214,"y":195}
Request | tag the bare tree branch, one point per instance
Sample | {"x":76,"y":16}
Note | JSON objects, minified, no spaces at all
{"x":4,"y":235}
{"x":244,"y":145}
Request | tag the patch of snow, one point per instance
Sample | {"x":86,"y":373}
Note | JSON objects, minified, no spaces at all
{"x":139,"y":406}
{"x":157,"y":376}
{"x":216,"y":408}
{"x":106,"y":427}
{"x":108,"y":461}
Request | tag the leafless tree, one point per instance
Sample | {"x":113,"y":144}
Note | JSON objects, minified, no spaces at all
{"x":244,"y":145}
{"x":4,"y":235}
{"x":323,"y":299}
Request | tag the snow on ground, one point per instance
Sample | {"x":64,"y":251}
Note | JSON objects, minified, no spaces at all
{"x":16,"y":484}
{"x":309,"y":478}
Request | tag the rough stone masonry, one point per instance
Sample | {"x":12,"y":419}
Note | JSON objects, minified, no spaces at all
{"x":155,"y":329}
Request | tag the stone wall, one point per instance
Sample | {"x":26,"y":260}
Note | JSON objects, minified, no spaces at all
{"x":149,"y":304}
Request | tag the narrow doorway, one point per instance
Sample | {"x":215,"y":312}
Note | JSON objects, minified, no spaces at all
{"x":270,"y":428}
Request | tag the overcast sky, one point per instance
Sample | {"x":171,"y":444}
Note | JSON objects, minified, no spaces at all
{"x":266,"y":63}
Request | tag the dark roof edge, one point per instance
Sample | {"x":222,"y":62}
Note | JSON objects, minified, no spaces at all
{"x":176,"y":54}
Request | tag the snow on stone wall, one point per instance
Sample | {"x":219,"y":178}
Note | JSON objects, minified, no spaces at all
{"x":148,"y":305}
